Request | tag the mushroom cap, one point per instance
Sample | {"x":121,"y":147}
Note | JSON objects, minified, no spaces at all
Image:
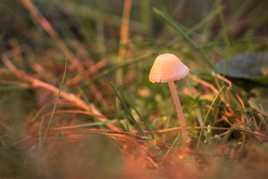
{"x":167,"y":67}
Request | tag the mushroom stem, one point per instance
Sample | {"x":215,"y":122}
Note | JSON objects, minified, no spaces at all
{"x":180,"y":115}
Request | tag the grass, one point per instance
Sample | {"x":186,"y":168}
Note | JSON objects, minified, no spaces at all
{"x":81,"y":126}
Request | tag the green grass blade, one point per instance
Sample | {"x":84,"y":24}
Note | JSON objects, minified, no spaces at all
{"x":126,"y":107}
{"x":181,"y":30}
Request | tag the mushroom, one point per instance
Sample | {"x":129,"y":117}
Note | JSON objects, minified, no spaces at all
{"x":168,"y":68}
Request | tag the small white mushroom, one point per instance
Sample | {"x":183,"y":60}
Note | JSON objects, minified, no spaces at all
{"x":168,"y":68}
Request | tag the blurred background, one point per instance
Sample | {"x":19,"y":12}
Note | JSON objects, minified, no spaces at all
{"x":101,"y":51}
{"x":97,"y":23}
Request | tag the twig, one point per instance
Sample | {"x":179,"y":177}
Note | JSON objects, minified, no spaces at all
{"x":93,"y":69}
{"x":228,"y":82}
{"x":71,"y":98}
{"x":213,"y":89}
{"x":45,"y":24}
{"x":204,"y":83}
{"x":239,"y":99}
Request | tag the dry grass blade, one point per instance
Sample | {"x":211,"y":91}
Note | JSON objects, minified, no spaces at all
{"x":124,"y":33}
{"x":175,"y":129}
{"x":124,"y":37}
{"x":71,"y":98}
